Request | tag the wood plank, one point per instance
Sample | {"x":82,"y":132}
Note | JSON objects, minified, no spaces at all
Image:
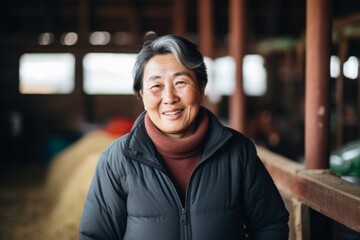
{"x":319,"y":189}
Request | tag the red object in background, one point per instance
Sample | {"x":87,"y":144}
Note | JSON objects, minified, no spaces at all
{"x":119,"y":126}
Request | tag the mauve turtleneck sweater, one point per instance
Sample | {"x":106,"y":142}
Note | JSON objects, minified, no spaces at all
{"x":181,"y":156}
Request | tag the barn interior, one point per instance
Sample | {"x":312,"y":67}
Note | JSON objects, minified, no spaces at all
{"x":55,"y":123}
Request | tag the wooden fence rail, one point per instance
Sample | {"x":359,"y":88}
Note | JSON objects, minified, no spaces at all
{"x":321,"y":190}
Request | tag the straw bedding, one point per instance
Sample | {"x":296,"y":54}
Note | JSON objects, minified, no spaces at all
{"x":51,"y":208}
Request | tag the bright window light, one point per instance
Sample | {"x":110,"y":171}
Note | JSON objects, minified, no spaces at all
{"x":46,"y":38}
{"x":108,"y":73}
{"x":222,"y":80}
{"x":221,"y":77}
{"x":100,"y":38}
{"x":224,"y":74}
{"x":47,"y":73}
{"x":351,"y":68}
{"x":334,"y":66}
{"x":255,"y":75}
{"x":211,"y":92}
{"x":69,"y":38}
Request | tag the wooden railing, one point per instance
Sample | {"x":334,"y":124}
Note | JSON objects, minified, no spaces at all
{"x":320,"y":190}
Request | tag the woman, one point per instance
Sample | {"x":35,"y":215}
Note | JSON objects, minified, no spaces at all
{"x":180,"y":174}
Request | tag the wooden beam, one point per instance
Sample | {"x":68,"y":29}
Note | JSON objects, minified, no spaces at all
{"x":319,"y":189}
{"x":347,"y":20}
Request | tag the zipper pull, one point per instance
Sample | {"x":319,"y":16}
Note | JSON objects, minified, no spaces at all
{"x":183,"y":219}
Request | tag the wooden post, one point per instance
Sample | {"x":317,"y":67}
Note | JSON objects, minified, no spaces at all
{"x":237,"y":105}
{"x":317,"y":107}
{"x":83,"y":20}
{"x":179,"y":17}
{"x":317,"y":112}
{"x":206,"y":33}
{"x":343,"y":49}
{"x":206,"y":36}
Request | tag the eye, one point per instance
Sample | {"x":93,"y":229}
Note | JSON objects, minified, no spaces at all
{"x":155,"y":86}
{"x":180,"y":82}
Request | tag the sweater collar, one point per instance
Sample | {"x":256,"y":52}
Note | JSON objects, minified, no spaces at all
{"x":179,"y":148}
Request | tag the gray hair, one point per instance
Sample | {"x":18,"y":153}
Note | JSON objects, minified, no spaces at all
{"x":183,"y":50}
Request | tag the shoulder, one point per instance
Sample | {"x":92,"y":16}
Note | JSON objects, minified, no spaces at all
{"x":242,"y":146}
{"x":234,"y":139}
{"x":116,"y":146}
{"x":231,"y":143}
{"x":123,"y":143}
{"x":240,"y":139}
{"x":112,"y":157}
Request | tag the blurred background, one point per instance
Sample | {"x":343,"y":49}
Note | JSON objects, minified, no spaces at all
{"x":66,"y":88}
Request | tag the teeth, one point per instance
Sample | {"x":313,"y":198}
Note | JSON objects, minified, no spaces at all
{"x":173,"y":113}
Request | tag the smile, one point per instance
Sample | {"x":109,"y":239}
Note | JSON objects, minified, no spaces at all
{"x":173,"y":112}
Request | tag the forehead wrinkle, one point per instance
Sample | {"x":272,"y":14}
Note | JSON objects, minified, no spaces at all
{"x":153,"y":77}
{"x":182,"y":73}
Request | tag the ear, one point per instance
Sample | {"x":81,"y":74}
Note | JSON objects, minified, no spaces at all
{"x":202,"y":93}
{"x":141,"y":95}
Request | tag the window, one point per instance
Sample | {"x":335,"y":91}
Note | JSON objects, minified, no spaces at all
{"x":351,"y":67}
{"x":47,"y":73}
{"x":108,"y":73}
{"x":222,"y":80}
{"x":255,"y":75}
{"x":334,"y":66}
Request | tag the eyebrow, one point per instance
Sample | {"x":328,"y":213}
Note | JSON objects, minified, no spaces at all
{"x":176,"y":74}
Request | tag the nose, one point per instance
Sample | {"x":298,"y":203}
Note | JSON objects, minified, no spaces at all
{"x":169,"y":95}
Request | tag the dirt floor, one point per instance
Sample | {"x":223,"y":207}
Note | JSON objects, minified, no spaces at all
{"x":23,"y":207}
{"x":42,"y":204}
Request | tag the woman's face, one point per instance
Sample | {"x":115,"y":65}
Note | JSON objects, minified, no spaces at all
{"x":171,"y":95}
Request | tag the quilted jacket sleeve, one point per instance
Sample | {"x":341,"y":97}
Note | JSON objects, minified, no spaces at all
{"x":104,"y":214}
{"x":265,"y":214}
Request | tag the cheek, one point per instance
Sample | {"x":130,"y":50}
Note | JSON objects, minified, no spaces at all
{"x":192,"y":97}
{"x":150,"y":101}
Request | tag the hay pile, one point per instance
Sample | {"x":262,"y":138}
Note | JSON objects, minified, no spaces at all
{"x":66,"y":163}
{"x":63,"y":220}
{"x":53,"y":209}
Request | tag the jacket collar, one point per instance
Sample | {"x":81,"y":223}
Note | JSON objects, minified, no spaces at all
{"x":140,"y":147}
{"x":216,"y":137}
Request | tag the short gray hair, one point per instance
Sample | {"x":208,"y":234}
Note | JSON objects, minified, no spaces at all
{"x":183,"y":50}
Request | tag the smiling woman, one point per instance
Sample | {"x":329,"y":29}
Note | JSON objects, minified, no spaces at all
{"x":180,"y":173}
{"x":171,"y":96}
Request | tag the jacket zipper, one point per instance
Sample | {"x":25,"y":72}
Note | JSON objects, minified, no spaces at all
{"x":182,"y":209}
{"x":183,"y":215}
{"x":183,"y":218}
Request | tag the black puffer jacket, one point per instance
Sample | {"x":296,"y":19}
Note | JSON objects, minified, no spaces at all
{"x":132,"y":197}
